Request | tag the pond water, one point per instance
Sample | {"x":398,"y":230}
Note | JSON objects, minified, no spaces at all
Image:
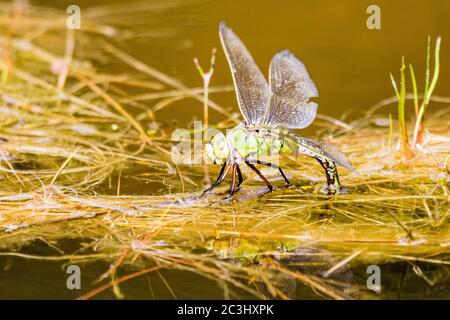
{"x":350,"y":65}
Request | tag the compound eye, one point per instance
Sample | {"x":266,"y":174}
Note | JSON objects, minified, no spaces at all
{"x":218,"y":140}
{"x":220,"y":146}
{"x":209,"y":153}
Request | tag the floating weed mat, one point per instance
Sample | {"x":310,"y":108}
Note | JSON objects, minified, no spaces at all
{"x":281,"y":245}
{"x":71,"y":133}
{"x":57,"y":105}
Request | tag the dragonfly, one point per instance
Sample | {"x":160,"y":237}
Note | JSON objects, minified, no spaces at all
{"x":270,"y":110}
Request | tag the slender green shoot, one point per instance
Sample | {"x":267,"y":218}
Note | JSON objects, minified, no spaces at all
{"x":416,"y":94}
{"x":419,"y":108}
{"x":206,"y":76}
{"x":429,"y":88}
{"x":391,"y":130}
{"x":394,"y":84}
{"x":401,"y":98}
{"x":427,"y":70}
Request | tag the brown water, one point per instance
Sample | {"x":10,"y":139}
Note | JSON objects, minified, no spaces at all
{"x":349,"y":63}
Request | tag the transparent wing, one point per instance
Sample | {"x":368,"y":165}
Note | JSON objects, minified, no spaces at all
{"x":313,"y":147}
{"x":290,"y":91}
{"x":251,"y":87}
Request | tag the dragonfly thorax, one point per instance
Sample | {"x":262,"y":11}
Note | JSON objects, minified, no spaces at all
{"x":242,"y":142}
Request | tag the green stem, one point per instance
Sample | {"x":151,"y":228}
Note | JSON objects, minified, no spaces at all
{"x":401,"y":108}
{"x":415,"y":93}
{"x":418,"y":129}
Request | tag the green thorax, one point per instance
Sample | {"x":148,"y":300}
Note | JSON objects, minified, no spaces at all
{"x":259,"y":142}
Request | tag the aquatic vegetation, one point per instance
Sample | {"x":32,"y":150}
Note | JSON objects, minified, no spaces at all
{"x":429,"y":88}
{"x":206,"y":76}
{"x":407,"y":148}
{"x":87,"y":179}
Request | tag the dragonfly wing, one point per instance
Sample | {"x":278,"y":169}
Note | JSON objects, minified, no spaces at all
{"x":313,"y":147}
{"x":251,"y":87}
{"x":290,"y":91}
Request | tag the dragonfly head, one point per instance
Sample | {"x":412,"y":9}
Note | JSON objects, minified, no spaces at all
{"x":218,"y":150}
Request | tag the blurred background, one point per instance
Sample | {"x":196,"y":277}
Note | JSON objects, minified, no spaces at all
{"x":349,"y":63}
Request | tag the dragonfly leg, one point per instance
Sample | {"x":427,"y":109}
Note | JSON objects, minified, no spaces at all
{"x":260,"y":175}
{"x":233,"y":180}
{"x":275,"y":167}
{"x":239,"y":175}
{"x":333,"y":183}
{"x":223,"y":173}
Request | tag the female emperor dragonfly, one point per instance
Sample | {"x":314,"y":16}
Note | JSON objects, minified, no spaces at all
{"x":269,"y":110}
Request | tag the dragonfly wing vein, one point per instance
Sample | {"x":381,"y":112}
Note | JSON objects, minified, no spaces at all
{"x":251,"y":87}
{"x":290,"y":90}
